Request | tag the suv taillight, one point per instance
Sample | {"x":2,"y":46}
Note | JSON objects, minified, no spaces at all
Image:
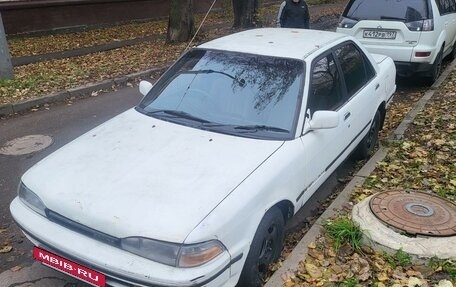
{"x":421,"y":25}
{"x":345,"y":22}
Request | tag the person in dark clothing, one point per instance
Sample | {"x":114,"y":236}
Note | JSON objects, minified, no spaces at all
{"x":294,"y":14}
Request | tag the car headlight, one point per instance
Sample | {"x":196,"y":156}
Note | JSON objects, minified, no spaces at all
{"x":172,"y":254}
{"x":31,"y":199}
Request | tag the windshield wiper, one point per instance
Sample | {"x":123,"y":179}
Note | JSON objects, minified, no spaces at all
{"x":352,"y":18}
{"x":392,"y":18}
{"x":255,"y":128}
{"x":241,"y":82}
{"x":178,"y":114}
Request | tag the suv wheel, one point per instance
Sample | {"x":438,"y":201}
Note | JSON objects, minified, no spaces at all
{"x":436,"y":68}
{"x":264,"y":250}
{"x":452,"y":55}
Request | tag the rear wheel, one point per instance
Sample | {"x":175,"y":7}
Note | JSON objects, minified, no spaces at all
{"x":264,"y":250}
{"x":452,"y":55}
{"x":436,"y":69}
{"x":367,"y":145}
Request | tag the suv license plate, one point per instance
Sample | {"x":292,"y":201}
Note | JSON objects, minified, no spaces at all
{"x":68,"y":267}
{"x":379,"y":34}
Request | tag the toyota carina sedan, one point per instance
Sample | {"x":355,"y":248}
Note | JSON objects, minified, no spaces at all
{"x":193,"y":186}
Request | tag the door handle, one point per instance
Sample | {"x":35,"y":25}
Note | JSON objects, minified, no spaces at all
{"x":377,"y":86}
{"x":346,"y":116}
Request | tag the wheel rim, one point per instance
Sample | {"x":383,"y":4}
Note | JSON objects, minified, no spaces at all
{"x":268,"y":249}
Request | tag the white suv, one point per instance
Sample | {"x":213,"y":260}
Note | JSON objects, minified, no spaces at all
{"x":416,"y":34}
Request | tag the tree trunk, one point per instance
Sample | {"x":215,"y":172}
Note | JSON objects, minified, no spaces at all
{"x":245,"y":13}
{"x":6,"y":69}
{"x":181,"y":23}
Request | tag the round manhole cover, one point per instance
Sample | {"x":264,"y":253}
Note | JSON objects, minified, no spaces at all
{"x":415,"y":212}
{"x":26,"y":145}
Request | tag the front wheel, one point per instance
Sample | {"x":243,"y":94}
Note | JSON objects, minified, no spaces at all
{"x":367,"y":145}
{"x":264,"y":250}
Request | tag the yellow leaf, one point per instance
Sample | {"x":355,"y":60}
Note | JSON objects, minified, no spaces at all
{"x":382,"y":277}
{"x":6,"y":249}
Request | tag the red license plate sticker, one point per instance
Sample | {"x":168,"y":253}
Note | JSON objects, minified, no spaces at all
{"x":66,"y":266}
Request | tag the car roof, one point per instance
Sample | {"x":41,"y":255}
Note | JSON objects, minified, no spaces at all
{"x":277,"y":42}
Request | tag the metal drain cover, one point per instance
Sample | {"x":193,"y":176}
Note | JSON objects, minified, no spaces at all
{"x":415,"y":212}
{"x":26,"y":145}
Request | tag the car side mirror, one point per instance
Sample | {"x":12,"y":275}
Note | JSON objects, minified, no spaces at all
{"x":324,"y":120}
{"x":145,"y":87}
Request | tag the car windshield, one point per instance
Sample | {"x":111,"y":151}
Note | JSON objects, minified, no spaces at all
{"x":234,"y":93}
{"x":387,"y":10}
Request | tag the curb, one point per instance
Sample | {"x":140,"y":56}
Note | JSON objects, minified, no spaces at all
{"x":78,"y":92}
{"x":291,"y":264}
{"x":25,"y":60}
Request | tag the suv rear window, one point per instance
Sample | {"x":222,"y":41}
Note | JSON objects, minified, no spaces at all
{"x":405,"y":10}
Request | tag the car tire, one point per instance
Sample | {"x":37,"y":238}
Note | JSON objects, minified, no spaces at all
{"x":265,"y":249}
{"x":452,"y":55}
{"x":436,"y":69}
{"x":367,"y":145}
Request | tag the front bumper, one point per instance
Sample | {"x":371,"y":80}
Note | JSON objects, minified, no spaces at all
{"x":121,"y":268}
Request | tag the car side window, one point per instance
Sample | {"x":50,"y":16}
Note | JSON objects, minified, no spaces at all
{"x":325,"y":92}
{"x":452,"y":6}
{"x":356,"y":69}
{"x":446,"y":6}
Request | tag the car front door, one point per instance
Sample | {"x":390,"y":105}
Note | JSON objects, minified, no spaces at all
{"x":322,"y":146}
{"x":343,"y":81}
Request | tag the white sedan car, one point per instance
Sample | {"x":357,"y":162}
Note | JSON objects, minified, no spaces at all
{"x":193,"y":186}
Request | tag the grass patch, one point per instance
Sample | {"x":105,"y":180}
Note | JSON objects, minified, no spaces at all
{"x":403,"y":258}
{"x":344,"y":231}
{"x":349,"y":282}
{"x":446,"y":266}
{"x":400,"y":258}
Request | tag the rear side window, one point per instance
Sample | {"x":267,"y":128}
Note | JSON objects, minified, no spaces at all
{"x":446,"y":6}
{"x":404,"y":10}
{"x":355,"y":68}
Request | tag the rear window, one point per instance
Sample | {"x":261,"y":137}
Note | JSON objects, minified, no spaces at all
{"x":403,"y":10}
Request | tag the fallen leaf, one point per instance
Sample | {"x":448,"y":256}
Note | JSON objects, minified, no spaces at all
{"x":414,"y":282}
{"x":444,"y":283}
{"x":6,"y":249}
{"x":16,"y":268}
{"x":312,"y":245}
{"x":313,"y":271}
{"x":382,"y":277}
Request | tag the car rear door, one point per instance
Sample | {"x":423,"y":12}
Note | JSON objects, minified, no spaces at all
{"x":362,"y":91}
{"x":447,"y":11}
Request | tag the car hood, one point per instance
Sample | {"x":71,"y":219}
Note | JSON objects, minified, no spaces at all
{"x":140,"y":176}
